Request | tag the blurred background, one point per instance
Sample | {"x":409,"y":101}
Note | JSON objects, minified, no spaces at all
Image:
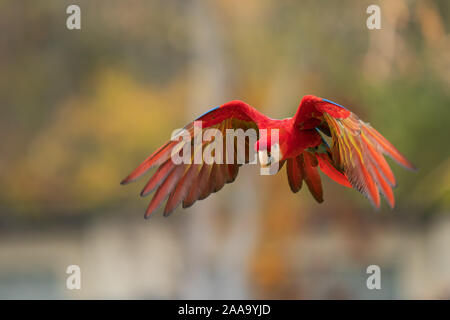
{"x":81,"y":108}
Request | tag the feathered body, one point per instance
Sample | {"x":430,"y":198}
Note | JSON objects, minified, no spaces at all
{"x":355,"y":158}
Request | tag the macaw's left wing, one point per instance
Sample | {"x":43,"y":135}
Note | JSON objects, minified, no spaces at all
{"x":188,"y":181}
{"x":357,"y":150}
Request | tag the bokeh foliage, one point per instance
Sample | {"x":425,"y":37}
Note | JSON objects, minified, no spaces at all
{"x":81,"y":108}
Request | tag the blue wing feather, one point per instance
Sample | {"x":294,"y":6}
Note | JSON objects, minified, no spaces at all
{"x":208,"y":112}
{"x":336,"y":104}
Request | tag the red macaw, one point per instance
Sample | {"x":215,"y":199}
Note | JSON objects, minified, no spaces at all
{"x":354,"y":160}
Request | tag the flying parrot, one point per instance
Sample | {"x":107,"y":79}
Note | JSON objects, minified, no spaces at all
{"x":355,"y":158}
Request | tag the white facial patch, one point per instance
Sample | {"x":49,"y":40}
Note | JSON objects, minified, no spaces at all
{"x":275,"y":155}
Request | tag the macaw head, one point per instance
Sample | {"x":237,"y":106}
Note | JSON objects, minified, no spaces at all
{"x":268,"y":149}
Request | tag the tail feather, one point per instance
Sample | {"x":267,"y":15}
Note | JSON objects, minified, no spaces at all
{"x":294,"y":173}
{"x":311,"y":175}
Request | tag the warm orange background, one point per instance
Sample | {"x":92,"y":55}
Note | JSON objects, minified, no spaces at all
{"x":81,"y":108}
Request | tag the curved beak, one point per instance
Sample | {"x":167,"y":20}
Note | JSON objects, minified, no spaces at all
{"x":266,"y":159}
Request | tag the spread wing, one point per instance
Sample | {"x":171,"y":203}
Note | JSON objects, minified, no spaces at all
{"x":188,"y":182}
{"x":357,"y":151}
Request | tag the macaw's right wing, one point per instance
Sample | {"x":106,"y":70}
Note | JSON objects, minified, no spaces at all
{"x":195,"y":180}
{"x":358,"y":150}
{"x":356,"y":156}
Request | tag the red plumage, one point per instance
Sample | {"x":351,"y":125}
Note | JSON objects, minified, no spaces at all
{"x":355,"y":158}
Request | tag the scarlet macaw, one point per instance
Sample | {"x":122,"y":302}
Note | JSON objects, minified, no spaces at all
{"x":355,"y":158}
